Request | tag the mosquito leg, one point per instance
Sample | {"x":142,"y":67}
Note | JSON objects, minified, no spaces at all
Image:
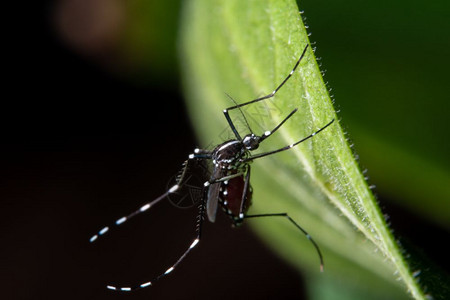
{"x":142,"y":209}
{"x":194,"y":243}
{"x":285,"y":215}
{"x":225,"y":111}
{"x":151,"y":282}
{"x":269,"y":133}
{"x":244,"y":194}
{"x":222,"y":179}
{"x":286,"y":147}
{"x":201,"y":154}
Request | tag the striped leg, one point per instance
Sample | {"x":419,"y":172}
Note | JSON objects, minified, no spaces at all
{"x":194,"y":243}
{"x":238,"y":106}
{"x":259,"y":155}
{"x":198,"y":154}
{"x":142,"y":209}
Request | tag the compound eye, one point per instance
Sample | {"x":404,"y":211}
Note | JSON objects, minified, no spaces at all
{"x":251,"y":142}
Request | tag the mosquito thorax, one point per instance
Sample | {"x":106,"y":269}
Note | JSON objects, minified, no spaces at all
{"x":251,"y":141}
{"x":227,"y":153}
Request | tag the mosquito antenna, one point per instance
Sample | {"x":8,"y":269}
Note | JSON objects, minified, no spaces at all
{"x":240,"y":110}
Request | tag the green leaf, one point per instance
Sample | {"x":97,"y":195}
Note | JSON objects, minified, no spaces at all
{"x":389,"y":72}
{"x":246,"y":49}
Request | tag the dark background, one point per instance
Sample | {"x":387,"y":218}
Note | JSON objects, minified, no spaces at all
{"x":86,"y":140}
{"x":83,"y":145}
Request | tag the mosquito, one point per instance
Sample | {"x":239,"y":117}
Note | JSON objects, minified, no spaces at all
{"x":228,"y":183}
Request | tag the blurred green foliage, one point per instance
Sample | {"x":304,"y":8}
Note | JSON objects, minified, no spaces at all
{"x":148,"y":43}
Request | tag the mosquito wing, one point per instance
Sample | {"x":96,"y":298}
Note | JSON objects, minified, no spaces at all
{"x":191,"y":181}
{"x":213,"y":195}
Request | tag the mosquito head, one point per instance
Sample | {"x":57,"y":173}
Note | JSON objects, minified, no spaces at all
{"x":251,"y":141}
